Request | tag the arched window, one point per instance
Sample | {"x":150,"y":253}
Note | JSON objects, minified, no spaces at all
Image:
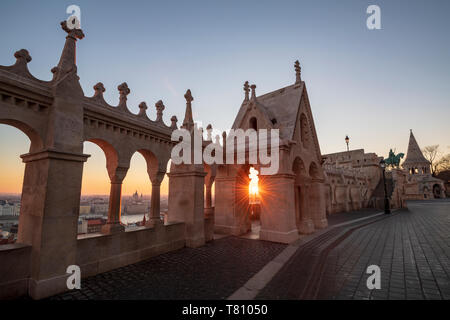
{"x":253,"y":123}
{"x":13,"y":143}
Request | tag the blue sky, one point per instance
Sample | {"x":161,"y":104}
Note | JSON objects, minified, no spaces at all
{"x":373,"y":85}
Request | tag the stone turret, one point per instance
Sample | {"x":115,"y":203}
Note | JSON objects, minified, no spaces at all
{"x":415,"y":161}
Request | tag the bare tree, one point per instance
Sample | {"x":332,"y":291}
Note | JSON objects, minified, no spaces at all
{"x":443,"y":164}
{"x":431,"y":153}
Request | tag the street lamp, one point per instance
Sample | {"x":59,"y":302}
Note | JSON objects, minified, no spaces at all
{"x":347,"y":139}
{"x":387,"y":206}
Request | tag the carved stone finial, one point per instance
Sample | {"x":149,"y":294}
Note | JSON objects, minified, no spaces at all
{"x":188,"y":96}
{"x":188,"y":121}
{"x":298,"y":71}
{"x":253,"y":87}
{"x":247,"y":90}
{"x":124,"y":91}
{"x":174,"y":121}
{"x":22,"y":54}
{"x":142,"y":108}
{"x":159,"y":110}
{"x":99,"y":88}
{"x":209,"y":132}
{"x":73,"y":33}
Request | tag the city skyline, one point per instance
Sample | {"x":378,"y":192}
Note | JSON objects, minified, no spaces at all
{"x":351,"y":64}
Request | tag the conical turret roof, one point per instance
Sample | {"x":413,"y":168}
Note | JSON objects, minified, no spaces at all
{"x":414,"y":155}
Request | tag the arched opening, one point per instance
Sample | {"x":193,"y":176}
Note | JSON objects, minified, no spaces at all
{"x":14,"y":142}
{"x":242,"y":203}
{"x":208,"y":189}
{"x":253,"y":123}
{"x":95,"y":186}
{"x":437,"y":191}
{"x":164,"y":196}
{"x":137,"y":191}
{"x":314,"y":171}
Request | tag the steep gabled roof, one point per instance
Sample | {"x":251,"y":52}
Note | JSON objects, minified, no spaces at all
{"x":282,"y":105}
{"x":414,"y":154}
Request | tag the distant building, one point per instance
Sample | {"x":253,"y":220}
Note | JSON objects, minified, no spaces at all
{"x":100,"y":208}
{"x":7,"y":210}
{"x":85,"y":209}
{"x":136,"y":205}
{"x":420,"y":183}
{"x":82,"y":226}
{"x":95,"y":225}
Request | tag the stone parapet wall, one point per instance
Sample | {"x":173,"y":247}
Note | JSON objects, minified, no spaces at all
{"x":100,"y":253}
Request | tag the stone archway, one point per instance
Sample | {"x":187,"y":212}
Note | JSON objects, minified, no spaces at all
{"x":437,"y":191}
{"x":20,"y":225}
{"x":36,"y":143}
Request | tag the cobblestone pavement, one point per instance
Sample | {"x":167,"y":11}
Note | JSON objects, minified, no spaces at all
{"x":412,"y":248}
{"x":213,"y":271}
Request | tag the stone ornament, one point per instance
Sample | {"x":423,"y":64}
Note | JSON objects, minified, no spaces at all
{"x":159,"y":110}
{"x":73,"y":33}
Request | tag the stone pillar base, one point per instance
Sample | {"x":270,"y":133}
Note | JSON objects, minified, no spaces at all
{"x":111,"y":228}
{"x":39,"y":289}
{"x":231,"y":230}
{"x":209,"y":212}
{"x":306,"y":226}
{"x":152,"y":223}
{"x":321,"y":224}
{"x":195,"y":242}
{"x":276,"y":236}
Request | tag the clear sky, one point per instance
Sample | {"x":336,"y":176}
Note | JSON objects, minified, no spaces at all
{"x":373,"y":85}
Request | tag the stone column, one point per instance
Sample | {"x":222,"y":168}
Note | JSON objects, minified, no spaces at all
{"x":155,"y":203}
{"x":278,"y":214}
{"x":48,"y":217}
{"x":113,"y":224}
{"x":208,"y":197}
{"x":224,"y":210}
{"x":317,"y":204}
{"x":347,"y":198}
{"x":306,"y":225}
{"x":186,"y":201}
{"x":155,"y":208}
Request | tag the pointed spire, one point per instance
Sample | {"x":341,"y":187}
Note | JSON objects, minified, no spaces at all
{"x":253,"y":87}
{"x":159,"y":110}
{"x":209,"y":132}
{"x":224,"y":146}
{"x":247,"y":90}
{"x":298,"y":71}
{"x":67,"y":62}
{"x":414,"y":155}
{"x":188,"y":121}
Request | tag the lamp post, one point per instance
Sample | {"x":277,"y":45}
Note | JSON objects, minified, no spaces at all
{"x":387,"y":206}
{"x":347,"y":139}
